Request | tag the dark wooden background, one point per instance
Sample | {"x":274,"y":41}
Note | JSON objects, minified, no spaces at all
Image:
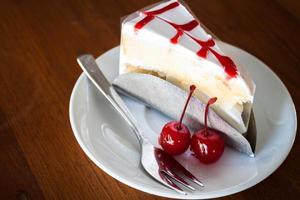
{"x":39,"y":42}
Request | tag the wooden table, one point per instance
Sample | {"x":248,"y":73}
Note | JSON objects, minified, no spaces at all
{"x":39,"y":42}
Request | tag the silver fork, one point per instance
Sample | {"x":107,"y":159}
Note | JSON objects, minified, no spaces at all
{"x":161,"y":166}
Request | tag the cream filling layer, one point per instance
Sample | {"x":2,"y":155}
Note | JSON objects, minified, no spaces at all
{"x":183,"y":67}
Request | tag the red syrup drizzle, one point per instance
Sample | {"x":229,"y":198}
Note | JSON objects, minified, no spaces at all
{"x":229,"y":66}
{"x":150,"y":15}
{"x":181,"y":28}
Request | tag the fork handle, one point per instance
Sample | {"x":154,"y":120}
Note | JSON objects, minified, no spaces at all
{"x":95,"y":75}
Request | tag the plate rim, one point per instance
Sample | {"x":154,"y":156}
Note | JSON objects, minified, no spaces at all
{"x":220,"y":193}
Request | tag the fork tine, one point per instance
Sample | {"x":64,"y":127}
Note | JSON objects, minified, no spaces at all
{"x":191,"y":176}
{"x":188,"y":174}
{"x":170,"y":183}
{"x":179,"y":179}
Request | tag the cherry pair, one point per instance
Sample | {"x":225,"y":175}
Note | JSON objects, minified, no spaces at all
{"x":207,"y":144}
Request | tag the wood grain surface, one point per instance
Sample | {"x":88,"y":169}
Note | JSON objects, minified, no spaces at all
{"x":39,"y":42}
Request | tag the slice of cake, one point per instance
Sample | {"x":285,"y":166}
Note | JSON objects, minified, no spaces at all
{"x":167,"y":41}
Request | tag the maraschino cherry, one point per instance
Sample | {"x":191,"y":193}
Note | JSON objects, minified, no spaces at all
{"x":207,"y":144}
{"x":175,"y":137}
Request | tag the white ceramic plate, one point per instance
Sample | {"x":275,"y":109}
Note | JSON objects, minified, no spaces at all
{"x":110,"y":144}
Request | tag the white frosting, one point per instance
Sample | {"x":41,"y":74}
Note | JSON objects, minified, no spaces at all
{"x":150,"y":48}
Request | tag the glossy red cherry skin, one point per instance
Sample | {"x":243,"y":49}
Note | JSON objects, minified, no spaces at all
{"x":175,"y":140}
{"x":208,"y":148}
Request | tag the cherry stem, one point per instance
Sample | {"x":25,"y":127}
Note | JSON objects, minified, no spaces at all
{"x":192,"y":89}
{"x":210,"y":102}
